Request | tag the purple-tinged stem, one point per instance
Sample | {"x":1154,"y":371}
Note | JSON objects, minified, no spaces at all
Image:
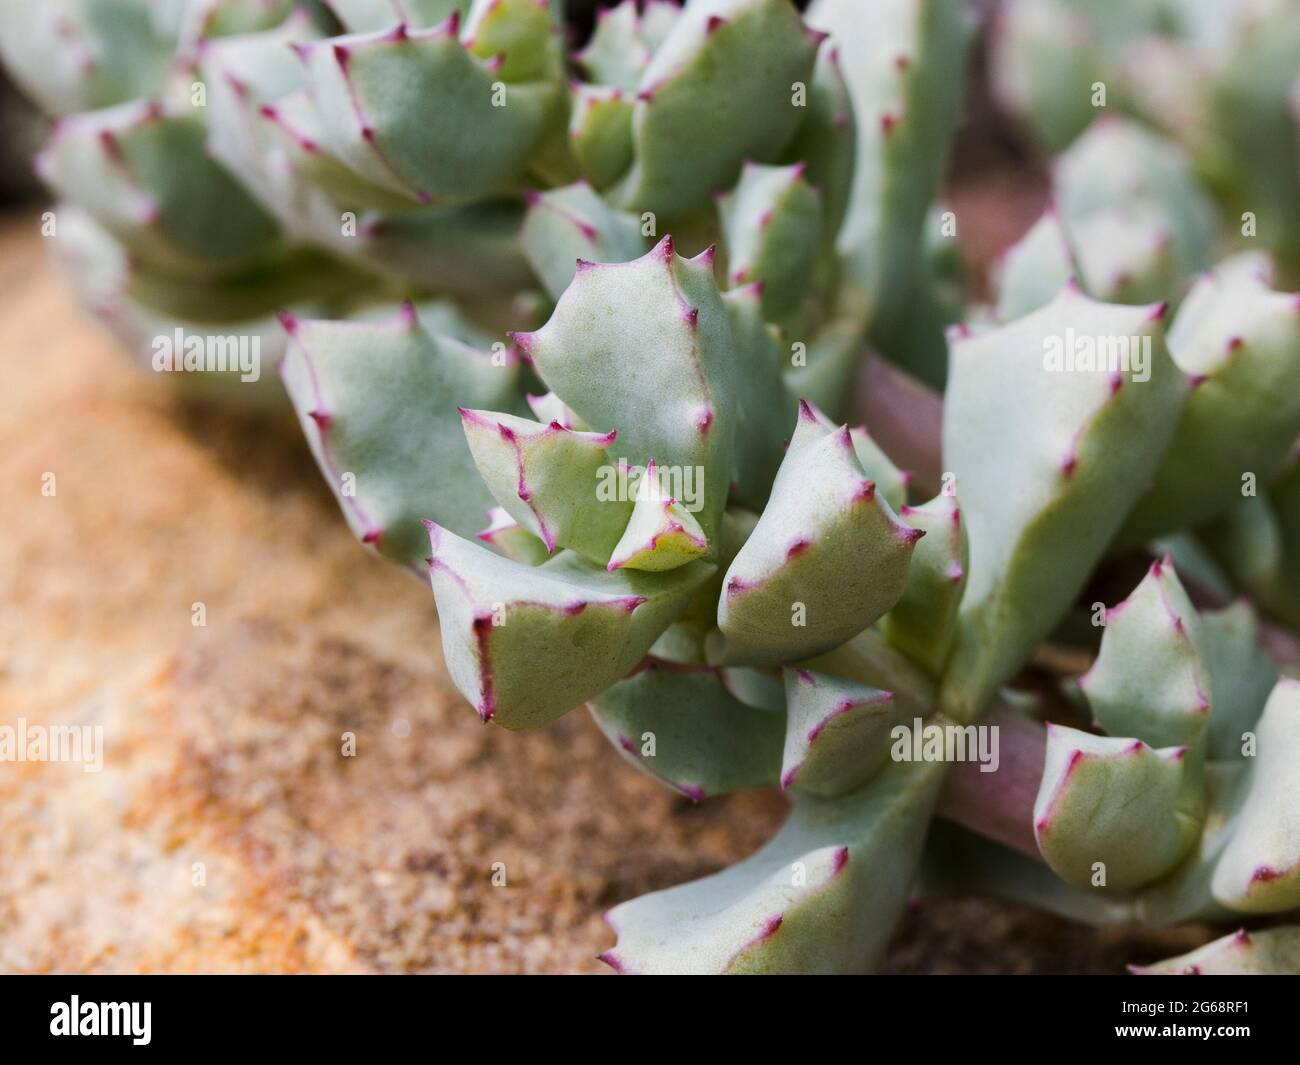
{"x":905,"y":417}
{"x":1281,"y":645}
{"x":1000,"y":805}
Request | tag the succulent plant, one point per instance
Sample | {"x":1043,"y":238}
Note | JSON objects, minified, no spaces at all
{"x":783,"y":627}
{"x":1220,"y":78}
{"x":585,"y":360}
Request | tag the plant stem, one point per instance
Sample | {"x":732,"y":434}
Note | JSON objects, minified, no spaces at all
{"x":905,"y":417}
{"x":1000,"y":805}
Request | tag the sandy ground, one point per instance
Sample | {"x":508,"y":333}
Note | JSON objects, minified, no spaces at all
{"x":227,"y":830}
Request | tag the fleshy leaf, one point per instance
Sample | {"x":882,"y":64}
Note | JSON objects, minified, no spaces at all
{"x":1126,"y":255}
{"x":527,"y":644}
{"x":519,"y":32}
{"x":921,"y":624}
{"x":548,"y":478}
{"x":569,"y":226}
{"x":373,"y":91}
{"x":827,"y":558}
{"x":146,"y":177}
{"x":294,"y":125}
{"x":600,"y":132}
{"x":1117,"y":163}
{"x":361,"y":16}
{"x":1047,"y":462}
{"x":138,"y":306}
{"x":755,"y":687}
{"x":472,"y":252}
{"x":722,"y":82}
{"x":972,"y":864}
{"x":658,"y":17}
{"x":618,"y":53}
{"x":869,"y":660}
{"x":70,"y":56}
{"x":891,"y":482}
{"x":1240,"y":343}
{"x":683,"y":727}
{"x":594,"y":353}
{"x":827,"y":141}
{"x":913,"y":333}
{"x":1270,"y":952}
{"x":1260,"y":868}
{"x":550,"y":408}
{"x":837,"y":733}
{"x":247,"y":77}
{"x":204,"y":20}
{"x":1151,"y":679}
{"x":661,"y":534}
{"x":822,"y":897}
{"x":906,"y":92}
{"x":1035,"y":269}
{"x":377,"y":401}
{"x":1109,"y":812}
{"x":1242,"y":675}
{"x":830,"y":360}
{"x":1257,"y":543}
{"x":765,"y":407}
{"x":772,"y":226}
{"x":510,"y":539}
